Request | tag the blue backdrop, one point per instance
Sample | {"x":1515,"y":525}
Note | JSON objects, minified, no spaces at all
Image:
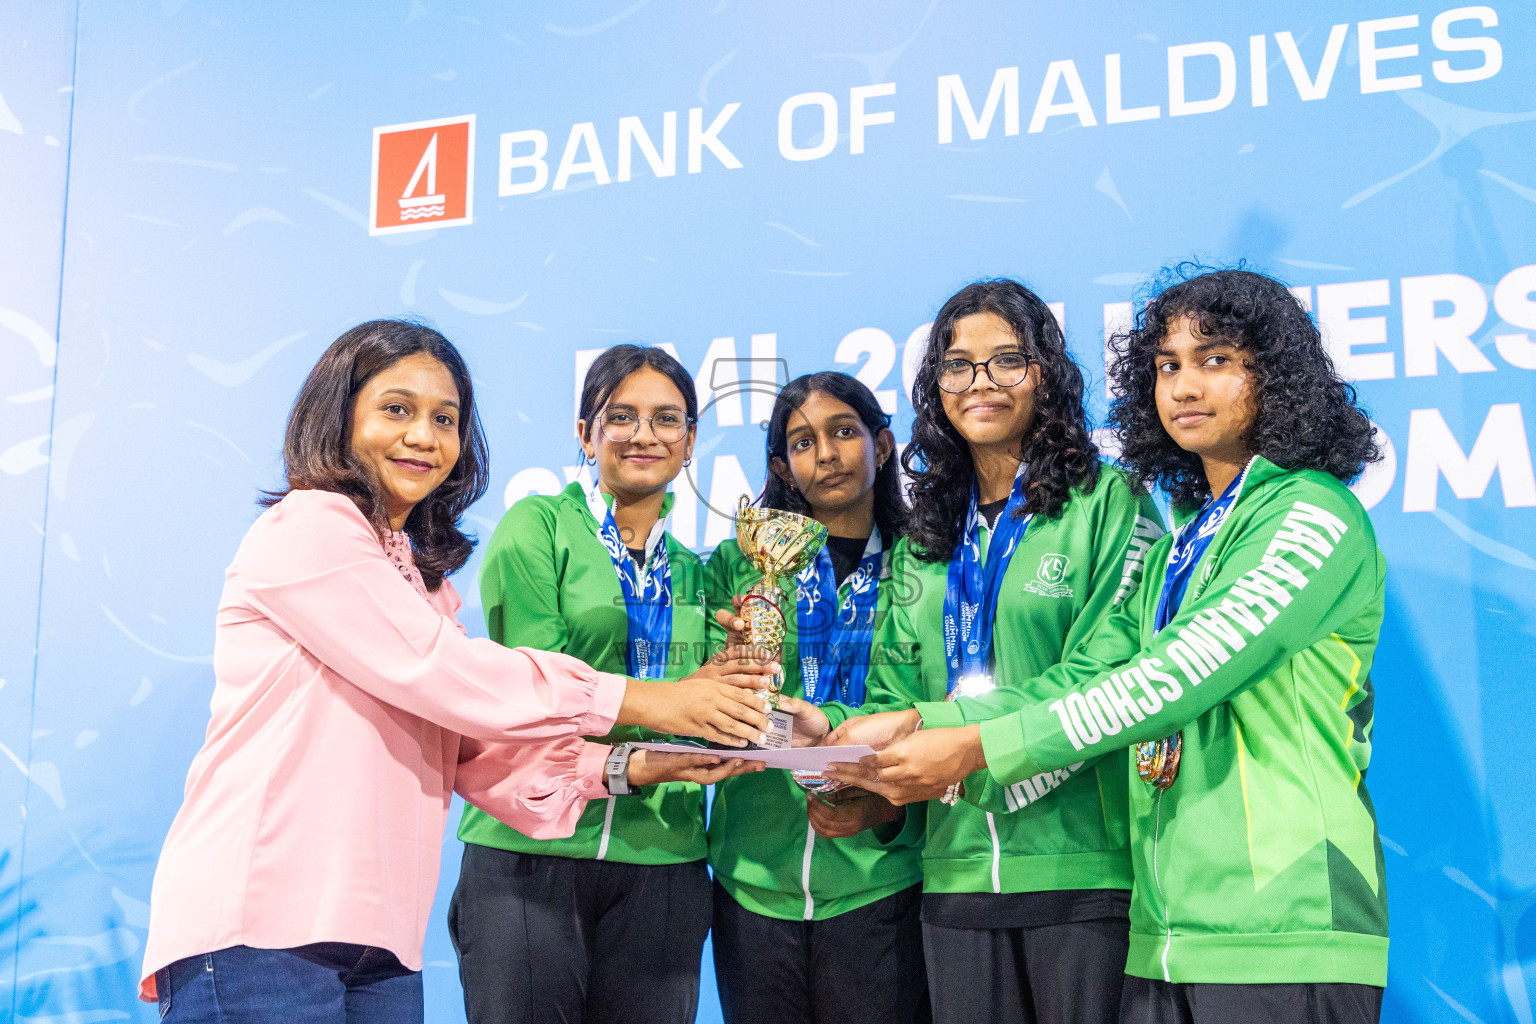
{"x":186,"y":196}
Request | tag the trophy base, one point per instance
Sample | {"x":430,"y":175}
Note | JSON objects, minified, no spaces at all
{"x":780,"y":734}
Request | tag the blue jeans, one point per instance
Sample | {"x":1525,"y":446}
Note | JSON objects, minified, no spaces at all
{"x":322,"y":983}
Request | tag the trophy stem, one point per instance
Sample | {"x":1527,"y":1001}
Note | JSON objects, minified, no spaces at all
{"x":778,"y":544}
{"x":763,"y":613}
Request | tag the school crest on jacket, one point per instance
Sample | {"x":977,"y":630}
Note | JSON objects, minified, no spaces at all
{"x":1050,"y":577}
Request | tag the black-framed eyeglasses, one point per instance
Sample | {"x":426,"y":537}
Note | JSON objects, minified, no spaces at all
{"x":667,"y":427}
{"x":1006,"y":370}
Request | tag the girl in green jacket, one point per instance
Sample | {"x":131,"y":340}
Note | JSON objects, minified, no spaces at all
{"x":1242,"y":679}
{"x":815,"y":916}
{"x":608,"y":925}
{"x":1019,"y":542}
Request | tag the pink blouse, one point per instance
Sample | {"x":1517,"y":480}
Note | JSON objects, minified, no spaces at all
{"x":346,"y":710}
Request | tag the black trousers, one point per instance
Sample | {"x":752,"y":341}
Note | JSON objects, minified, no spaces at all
{"x":1159,"y":1002}
{"x":1053,"y":974}
{"x":557,"y":940}
{"x":862,"y":967}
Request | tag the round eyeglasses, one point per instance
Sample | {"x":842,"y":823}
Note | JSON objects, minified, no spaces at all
{"x":667,"y":427}
{"x":1006,"y":370}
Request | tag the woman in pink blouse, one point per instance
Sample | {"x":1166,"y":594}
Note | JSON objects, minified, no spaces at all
{"x":349,"y":705}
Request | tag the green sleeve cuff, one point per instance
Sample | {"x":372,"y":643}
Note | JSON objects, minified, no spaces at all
{"x":975,"y":784}
{"x":940,"y":714}
{"x":905,"y":831}
{"x":888,"y":832}
{"x":836,"y":714}
{"x":1002,"y":743}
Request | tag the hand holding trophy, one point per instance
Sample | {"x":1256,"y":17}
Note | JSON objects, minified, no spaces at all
{"x":777,"y":544}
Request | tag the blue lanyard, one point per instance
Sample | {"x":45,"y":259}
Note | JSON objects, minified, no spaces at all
{"x":647,"y":602}
{"x":1189,"y":545}
{"x":970,"y":596}
{"x":836,"y":636}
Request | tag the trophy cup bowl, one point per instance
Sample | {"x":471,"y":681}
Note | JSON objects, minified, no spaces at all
{"x":778,"y":544}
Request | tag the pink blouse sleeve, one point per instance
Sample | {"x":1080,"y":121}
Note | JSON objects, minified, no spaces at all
{"x":315,"y":568}
{"x":448,"y":602}
{"x":539,"y":789}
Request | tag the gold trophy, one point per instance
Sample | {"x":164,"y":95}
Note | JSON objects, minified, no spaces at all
{"x":778,"y":544}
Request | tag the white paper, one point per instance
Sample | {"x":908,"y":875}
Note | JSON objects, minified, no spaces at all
{"x":800,"y":759}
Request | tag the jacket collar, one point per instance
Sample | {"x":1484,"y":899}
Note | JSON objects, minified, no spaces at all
{"x":1259,"y":471}
{"x":578,"y":491}
{"x":596,"y":503}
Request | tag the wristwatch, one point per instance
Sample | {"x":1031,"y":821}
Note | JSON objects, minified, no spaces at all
{"x":617,"y":768}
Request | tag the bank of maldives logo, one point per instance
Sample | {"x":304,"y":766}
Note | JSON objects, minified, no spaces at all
{"x":423,"y":175}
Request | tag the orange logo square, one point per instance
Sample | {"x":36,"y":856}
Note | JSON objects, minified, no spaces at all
{"x":423,"y":175}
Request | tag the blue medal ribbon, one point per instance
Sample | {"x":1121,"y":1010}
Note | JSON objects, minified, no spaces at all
{"x":836,"y":635}
{"x":1188,"y":546}
{"x":647,"y":596}
{"x":1157,"y":761}
{"x":970,"y":595}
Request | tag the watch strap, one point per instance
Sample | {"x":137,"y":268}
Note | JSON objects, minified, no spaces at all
{"x":617,"y":770}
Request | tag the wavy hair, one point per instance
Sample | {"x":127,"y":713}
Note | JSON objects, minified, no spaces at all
{"x":1305,"y":415}
{"x":317,"y":453}
{"x":890,"y":505}
{"x":1057,"y":448}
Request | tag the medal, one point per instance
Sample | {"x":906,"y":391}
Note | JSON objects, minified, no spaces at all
{"x":1157,"y":762}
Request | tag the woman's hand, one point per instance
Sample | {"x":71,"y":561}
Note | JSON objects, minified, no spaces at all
{"x":811,"y":723}
{"x":850,"y":816}
{"x":879,"y":730}
{"x":735,"y":625}
{"x":921,"y":766}
{"x":716,"y":703}
{"x":740,"y":665}
{"x":648,"y":767}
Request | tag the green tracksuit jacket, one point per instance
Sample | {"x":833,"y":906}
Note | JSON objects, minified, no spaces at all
{"x":1261,"y":864}
{"x":1066,"y":574}
{"x":547,"y":582}
{"x":761,"y":844}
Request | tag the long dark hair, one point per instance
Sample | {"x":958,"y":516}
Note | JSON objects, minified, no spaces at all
{"x":614,"y":366}
{"x":1057,"y":448}
{"x":1305,"y":415}
{"x":890,"y":506}
{"x":317,"y":455}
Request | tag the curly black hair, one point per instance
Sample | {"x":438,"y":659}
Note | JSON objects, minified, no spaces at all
{"x":1057,"y":448}
{"x":1305,"y":415}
